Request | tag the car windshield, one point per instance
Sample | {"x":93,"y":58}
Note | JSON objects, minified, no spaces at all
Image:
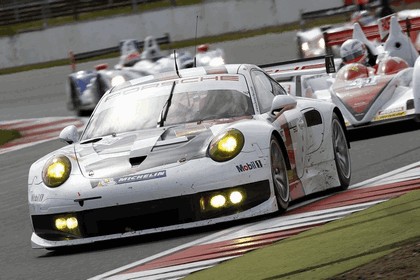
{"x":141,"y":107}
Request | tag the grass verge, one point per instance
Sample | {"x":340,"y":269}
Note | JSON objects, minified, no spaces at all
{"x":332,"y":249}
{"x":8,"y":135}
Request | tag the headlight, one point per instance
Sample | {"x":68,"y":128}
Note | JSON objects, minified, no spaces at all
{"x":205,"y":60}
{"x":305,"y":46}
{"x":117,"y":80}
{"x":56,"y":171}
{"x":217,"y":61}
{"x":321,"y":43}
{"x":227,"y":145}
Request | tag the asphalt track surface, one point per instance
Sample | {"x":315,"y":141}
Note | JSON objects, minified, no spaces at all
{"x":40,"y":93}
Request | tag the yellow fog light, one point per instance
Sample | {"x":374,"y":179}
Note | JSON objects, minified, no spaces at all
{"x":66,"y":223}
{"x":60,"y":223}
{"x":72,"y":223}
{"x":236,"y":197}
{"x":227,"y":145}
{"x":218,"y":201}
{"x":56,"y":171}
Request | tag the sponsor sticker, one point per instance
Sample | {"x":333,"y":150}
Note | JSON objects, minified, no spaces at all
{"x":389,"y":116}
{"x":361,"y":82}
{"x":329,"y":64}
{"x":102,"y":183}
{"x":129,"y":179}
{"x":249,"y":166}
{"x":188,"y":80}
{"x":141,"y":177}
{"x":37,"y":197}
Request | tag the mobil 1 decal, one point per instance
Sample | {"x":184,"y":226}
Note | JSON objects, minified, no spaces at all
{"x":252,"y":165}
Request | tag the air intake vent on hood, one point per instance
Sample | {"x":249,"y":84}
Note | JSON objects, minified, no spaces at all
{"x":137,"y":160}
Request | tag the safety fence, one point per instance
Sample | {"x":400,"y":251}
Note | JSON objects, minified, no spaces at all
{"x":347,"y":9}
{"x":20,"y":11}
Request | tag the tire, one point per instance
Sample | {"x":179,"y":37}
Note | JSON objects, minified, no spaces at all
{"x":75,"y":102}
{"x":341,"y":152}
{"x":279,"y":175}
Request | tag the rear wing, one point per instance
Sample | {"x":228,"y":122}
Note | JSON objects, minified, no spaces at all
{"x":297,"y":75}
{"x":294,"y":65}
{"x":411,"y":26}
{"x":140,"y":44}
{"x":298,"y":67}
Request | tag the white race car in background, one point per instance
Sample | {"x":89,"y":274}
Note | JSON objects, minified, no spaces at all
{"x":365,"y":97}
{"x":186,"y":149}
{"x":311,"y":42}
{"x":85,"y":88}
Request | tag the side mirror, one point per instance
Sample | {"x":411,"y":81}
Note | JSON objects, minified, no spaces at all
{"x":282,"y":102}
{"x":69,"y":134}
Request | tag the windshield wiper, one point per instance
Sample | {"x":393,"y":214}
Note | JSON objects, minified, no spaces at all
{"x":164,"y":113}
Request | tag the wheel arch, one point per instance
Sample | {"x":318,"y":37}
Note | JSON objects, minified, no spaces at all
{"x":341,"y":118}
{"x":276,"y":134}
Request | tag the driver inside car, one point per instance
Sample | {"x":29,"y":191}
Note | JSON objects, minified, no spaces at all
{"x":354,"y":51}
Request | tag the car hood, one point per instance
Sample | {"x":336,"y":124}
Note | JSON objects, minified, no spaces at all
{"x":134,"y":152}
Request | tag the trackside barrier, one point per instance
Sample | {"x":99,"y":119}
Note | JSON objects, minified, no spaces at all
{"x":347,"y":9}
{"x":13,"y":12}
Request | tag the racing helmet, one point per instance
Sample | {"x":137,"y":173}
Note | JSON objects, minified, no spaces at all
{"x":352,"y":71}
{"x":353,"y":51}
{"x":203,"y":48}
{"x":130,"y":59}
{"x":392,"y":65}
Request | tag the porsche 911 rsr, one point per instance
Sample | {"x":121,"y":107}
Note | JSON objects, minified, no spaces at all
{"x":186,"y":149}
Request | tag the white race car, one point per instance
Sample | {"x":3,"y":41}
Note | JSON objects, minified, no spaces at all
{"x":387,"y":92}
{"x":312,"y":42}
{"x":86,"y":87}
{"x":186,"y":149}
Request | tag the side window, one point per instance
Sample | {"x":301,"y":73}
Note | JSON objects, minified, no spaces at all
{"x":264,"y":90}
{"x":277,"y":88}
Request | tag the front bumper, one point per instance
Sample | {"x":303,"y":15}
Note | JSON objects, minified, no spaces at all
{"x":151,"y":216}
